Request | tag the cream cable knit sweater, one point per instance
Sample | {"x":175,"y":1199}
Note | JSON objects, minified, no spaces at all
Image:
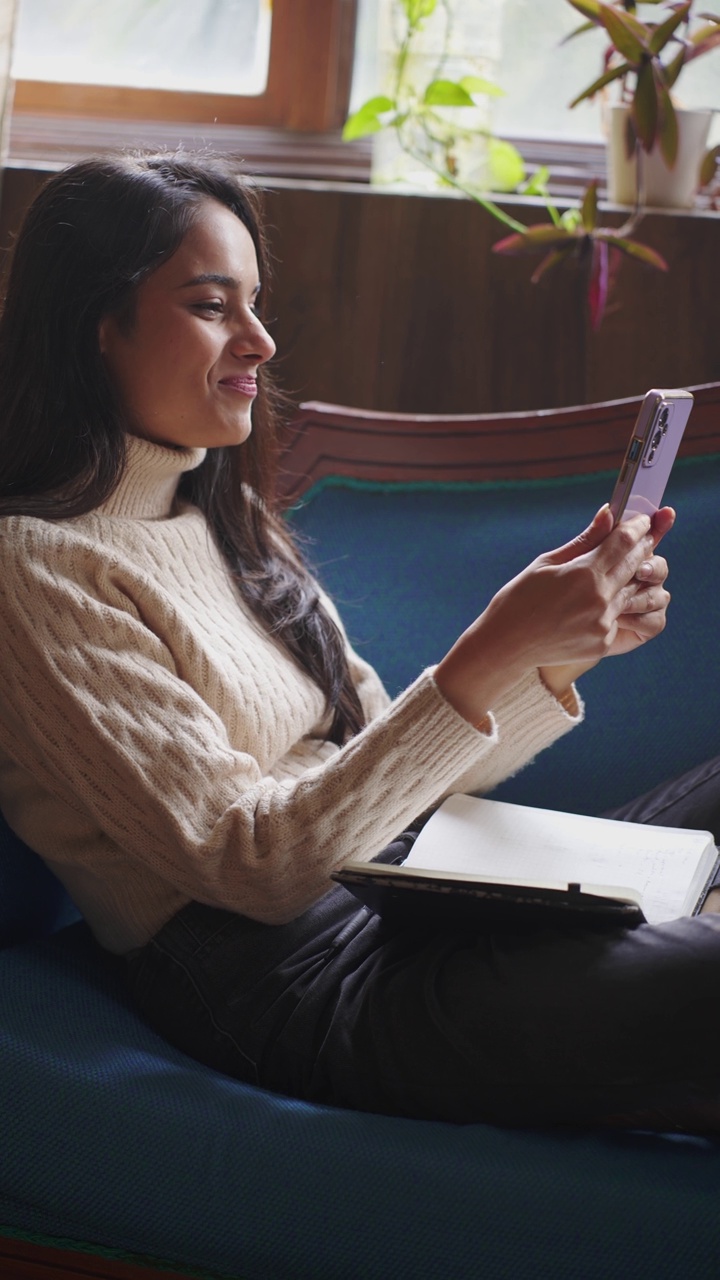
{"x":157,"y":746}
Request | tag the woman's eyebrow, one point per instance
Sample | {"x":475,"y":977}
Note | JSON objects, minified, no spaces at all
{"x":212,"y":277}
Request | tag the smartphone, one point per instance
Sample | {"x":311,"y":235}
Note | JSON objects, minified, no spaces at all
{"x":650,"y":454}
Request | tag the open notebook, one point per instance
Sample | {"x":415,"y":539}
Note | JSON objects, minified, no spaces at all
{"x":479,"y":859}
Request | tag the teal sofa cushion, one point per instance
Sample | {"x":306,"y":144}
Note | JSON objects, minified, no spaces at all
{"x":411,"y":567}
{"x":112,"y":1137}
{"x":33,"y":903}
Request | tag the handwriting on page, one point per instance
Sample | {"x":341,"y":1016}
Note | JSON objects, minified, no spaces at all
{"x":492,"y":838}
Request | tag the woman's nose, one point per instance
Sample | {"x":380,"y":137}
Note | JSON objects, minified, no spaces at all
{"x":253,"y":340}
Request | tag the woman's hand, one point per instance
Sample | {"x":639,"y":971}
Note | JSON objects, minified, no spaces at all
{"x":599,"y":595}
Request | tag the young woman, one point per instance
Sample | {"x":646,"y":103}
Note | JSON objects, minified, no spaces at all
{"x":190,"y":743}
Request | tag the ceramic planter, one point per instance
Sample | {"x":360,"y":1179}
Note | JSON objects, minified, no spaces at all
{"x":664,"y":188}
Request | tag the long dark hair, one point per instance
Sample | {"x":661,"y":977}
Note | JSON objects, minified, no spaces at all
{"x":92,"y":234}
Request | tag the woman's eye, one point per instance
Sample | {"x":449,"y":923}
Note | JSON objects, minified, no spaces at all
{"x":213,"y":306}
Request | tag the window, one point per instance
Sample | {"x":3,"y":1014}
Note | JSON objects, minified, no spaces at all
{"x":519,"y":43}
{"x":199,"y":46}
{"x":285,"y":64}
{"x":264,"y":72}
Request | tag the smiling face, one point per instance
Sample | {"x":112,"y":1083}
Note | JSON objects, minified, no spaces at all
{"x":185,"y":368}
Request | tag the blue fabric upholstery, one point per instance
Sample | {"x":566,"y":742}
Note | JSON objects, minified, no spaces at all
{"x":115,"y":1138}
{"x":109,"y":1136}
{"x":33,"y":903}
{"x":411,"y":569}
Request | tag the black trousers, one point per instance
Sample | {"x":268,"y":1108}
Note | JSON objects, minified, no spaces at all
{"x":514,"y":1027}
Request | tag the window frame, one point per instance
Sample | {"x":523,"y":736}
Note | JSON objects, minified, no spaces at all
{"x":308,"y":88}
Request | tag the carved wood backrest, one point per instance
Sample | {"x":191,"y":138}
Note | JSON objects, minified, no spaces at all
{"x":333,"y":440}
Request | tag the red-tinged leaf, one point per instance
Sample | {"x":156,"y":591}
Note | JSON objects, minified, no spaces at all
{"x":703,"y":43}
{"x":633,"y":249}
{"x":541,"y":236}
{"x":549,"y":261}
{"x":666,"y":30}
{"x":606,"y":78}
{"x":644,"y":109}
{"x":599,"y":283}
{"x":667,"y":129}
{"x":589,"y":206}
{"x":629,"y":36}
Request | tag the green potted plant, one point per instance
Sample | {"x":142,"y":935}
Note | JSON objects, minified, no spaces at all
{"x":412,"y":111}
{"x":431,"y":115}
{"x":656,"y":150}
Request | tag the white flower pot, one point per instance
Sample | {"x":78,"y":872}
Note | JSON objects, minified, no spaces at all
{"x":664,"y":188}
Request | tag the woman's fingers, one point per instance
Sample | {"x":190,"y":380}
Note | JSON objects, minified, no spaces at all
{"x":652,"y":571}
{"x":625,"y":549}
{"x":600,"y":594}
{"x":662,"y":523}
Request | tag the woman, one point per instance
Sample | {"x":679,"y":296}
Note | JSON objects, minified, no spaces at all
{"x":189,"y":742}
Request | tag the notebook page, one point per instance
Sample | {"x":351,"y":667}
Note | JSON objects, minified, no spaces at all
{"x":491,"y":837}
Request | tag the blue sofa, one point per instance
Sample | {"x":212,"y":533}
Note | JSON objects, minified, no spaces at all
{"x":121,"y":1157}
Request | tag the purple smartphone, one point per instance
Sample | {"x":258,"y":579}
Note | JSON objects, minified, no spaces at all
{"x":650,"y":454}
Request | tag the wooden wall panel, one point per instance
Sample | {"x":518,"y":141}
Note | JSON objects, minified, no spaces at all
{"x":397,"y":303}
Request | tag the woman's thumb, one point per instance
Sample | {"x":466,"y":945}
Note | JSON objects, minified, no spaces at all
{"x":596,"y":532}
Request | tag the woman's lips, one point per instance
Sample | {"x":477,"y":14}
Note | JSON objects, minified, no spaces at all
{"x":246,"y":386}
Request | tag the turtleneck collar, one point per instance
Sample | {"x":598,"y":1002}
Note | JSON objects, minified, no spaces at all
{"x":150,"y":480}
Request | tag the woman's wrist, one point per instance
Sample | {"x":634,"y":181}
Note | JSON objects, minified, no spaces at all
{"x":560,"y":681}
{"x":470,"y":694}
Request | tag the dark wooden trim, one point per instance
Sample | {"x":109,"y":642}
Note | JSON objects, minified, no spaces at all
{"x":23,"y":1260}
{"x":331,"y":440}
{"x":308,"y":85}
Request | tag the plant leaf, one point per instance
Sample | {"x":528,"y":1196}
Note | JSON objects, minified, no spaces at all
{"x":629,"y":36}
{"x":644,"y":110}
{"x":505,"y":164}
{"x":476,"y":84}
{"x":549,"y":261}
{"x":675,"y":66}
{"x":589,"y":207}
{"x":664,"y":32}
{"x":606,"y":78}
{"x":366,"y":119}
{"x":703,"y":41}
{"x":634,"y":249}
{"x":588,"y":8}
{"x":541,"y":236}
{"x":571,"y":220}
{"x":579,"y":31}
{"x":711,"y":159}
{"x":667,"y":129}
{"x":537,"y":183}
{"x":447,"y":93}
{"x":416,"y":10}
{"x":599,"y":283}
